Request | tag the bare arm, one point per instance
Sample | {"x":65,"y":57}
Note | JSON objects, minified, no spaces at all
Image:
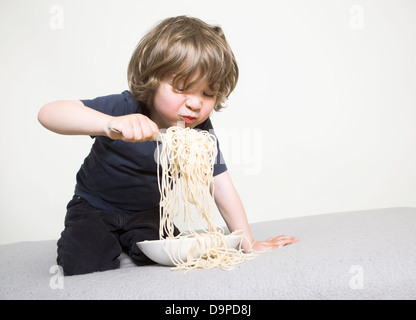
{"x":232,"y":210}
{"x":71,"y":117}
{"x":230,"y":206}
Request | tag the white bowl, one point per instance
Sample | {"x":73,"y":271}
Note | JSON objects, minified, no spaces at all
{"x":156,"y":250}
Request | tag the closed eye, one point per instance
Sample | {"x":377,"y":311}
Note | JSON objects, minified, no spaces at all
{"x":209,"y":95}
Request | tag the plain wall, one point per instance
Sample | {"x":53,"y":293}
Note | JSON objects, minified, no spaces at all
{"x":323,"y":119}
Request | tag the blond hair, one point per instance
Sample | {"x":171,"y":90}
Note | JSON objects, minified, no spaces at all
{"x":188,"y":49}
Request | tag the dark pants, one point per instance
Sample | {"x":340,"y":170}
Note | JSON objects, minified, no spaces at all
{"x":93,"y":239}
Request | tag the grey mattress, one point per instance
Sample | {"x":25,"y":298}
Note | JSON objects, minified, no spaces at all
{"x":349,"y":255}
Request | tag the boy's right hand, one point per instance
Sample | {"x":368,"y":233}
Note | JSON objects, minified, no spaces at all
{"x":132,"y":128}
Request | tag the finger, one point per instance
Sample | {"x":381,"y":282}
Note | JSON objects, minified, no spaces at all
{"x":139,"y":129}
{"x":149,"y":129}
{"x":126,"y":134}
{"x":155,"y":129}
{"x":286,"y":242}
{"x":278,"y":243}
{"x":114,"y":133}
{"x":284,"y":238}
{"x":114,"y":130}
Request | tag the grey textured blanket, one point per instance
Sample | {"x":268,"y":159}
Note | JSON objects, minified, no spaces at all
{"x":349,"y":255}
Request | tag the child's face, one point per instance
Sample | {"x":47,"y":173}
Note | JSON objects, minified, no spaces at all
{"x":190,"y":106}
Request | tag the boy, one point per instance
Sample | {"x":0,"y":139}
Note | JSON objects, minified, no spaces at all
{"x":180,"y":72}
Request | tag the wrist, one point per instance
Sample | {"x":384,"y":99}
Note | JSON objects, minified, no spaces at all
{"x":247,"y":244}
{"x":107,"y":127}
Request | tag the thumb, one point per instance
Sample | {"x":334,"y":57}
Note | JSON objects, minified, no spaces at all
{"x":114,"y":133}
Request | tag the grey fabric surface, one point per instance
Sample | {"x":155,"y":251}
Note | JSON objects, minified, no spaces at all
{"x":348,"y":255}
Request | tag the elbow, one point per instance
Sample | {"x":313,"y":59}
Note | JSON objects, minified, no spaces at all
{"x":47,"y":115}
{"x":43,"y":115}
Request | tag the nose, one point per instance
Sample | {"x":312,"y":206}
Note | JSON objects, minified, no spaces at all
{"x":193,"y":102}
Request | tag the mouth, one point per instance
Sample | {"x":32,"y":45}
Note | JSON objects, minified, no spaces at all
{"x":188,"y":119}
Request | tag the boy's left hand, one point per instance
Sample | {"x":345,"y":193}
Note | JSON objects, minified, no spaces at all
{"x":273,"y":243}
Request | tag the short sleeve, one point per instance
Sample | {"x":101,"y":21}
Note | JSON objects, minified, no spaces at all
{"x":115,"y":104}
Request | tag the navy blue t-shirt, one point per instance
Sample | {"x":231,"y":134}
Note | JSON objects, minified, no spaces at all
{"x":122,"y":176}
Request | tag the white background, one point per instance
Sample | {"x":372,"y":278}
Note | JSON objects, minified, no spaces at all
{"x":323,"y":119}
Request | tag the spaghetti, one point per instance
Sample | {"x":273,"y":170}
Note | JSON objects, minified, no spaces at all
{"x":186,"y":160}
